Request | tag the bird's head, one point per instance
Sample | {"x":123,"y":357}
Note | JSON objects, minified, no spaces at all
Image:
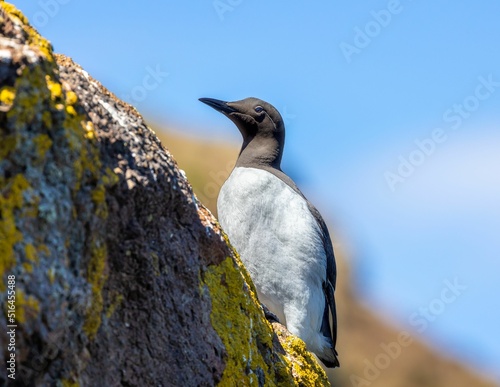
{"x":258,"y":121}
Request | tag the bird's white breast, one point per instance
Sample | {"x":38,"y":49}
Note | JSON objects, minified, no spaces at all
{"x":277,"y":237}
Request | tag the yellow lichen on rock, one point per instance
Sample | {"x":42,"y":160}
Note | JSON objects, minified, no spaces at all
{"x":28,"y":267}
{"x":96,"y":276}
{"x":42,"y":143}
{"x":31,"y":94}
{"x":13,"y":11}
{"x":7,"y":97}
{"x":71,"y":98}
{"x":239,"y":323}
{"x":26,"y":307}
{"x":69,"y":383}
{"x":11,"y":201}
{"x":55,"y":88}
{"x":115,"y":303}
{"x":7,"y":145}
{"x":89,"y":130}
{"x":39,"y":100}
{"x":305,"y":368}
{"x":30,"y":252}
{"x":35,"y":40}
{"x":109,"y":178}
{"x":248,"y":337}
{"x":51,"y":275}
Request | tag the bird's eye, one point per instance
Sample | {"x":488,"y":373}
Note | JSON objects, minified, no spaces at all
{"x":259,"y":109}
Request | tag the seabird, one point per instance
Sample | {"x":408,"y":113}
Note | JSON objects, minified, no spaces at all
{"x":280,"y":236}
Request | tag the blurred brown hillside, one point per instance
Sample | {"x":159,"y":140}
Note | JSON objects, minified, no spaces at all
{"x":362,"y":335}
{"x":207,"y":164}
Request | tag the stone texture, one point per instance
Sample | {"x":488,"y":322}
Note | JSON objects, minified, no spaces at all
{"x":122,"y":276}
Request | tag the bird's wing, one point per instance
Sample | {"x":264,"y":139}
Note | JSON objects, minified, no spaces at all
{"x":331,"y":268}
{"x":331,"y":278}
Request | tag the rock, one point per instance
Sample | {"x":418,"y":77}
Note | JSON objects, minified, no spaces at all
{"x":122,"y":277}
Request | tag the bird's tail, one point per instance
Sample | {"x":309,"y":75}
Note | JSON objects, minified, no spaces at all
{"x":329,"y":355}
{"x":329,"y":358}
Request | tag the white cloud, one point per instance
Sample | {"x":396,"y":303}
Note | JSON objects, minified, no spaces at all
{"x":462,"y":175}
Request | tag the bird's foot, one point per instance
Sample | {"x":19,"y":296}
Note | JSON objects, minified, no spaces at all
{"x":270,"y":316}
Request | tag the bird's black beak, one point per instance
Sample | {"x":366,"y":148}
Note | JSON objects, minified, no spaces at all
{"x":220,"y":106}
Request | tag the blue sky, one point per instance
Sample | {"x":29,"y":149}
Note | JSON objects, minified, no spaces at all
{"x":392,"y":122}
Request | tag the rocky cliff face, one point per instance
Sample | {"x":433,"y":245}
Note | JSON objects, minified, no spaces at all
{"x":121,"y":276}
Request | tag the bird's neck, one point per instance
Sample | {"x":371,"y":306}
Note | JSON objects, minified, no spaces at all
{"x":261,"y":152}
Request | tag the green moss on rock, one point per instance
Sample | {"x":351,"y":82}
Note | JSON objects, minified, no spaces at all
{"x":37,"y":109}
{"x":96,"y":276}
{"x":35,"y":40}
{"x":27,"y":307}
{"x":305,"y":368}
{"x":248,"y":337}
{"x":11,"y":201}
{"x":238,"y":322}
